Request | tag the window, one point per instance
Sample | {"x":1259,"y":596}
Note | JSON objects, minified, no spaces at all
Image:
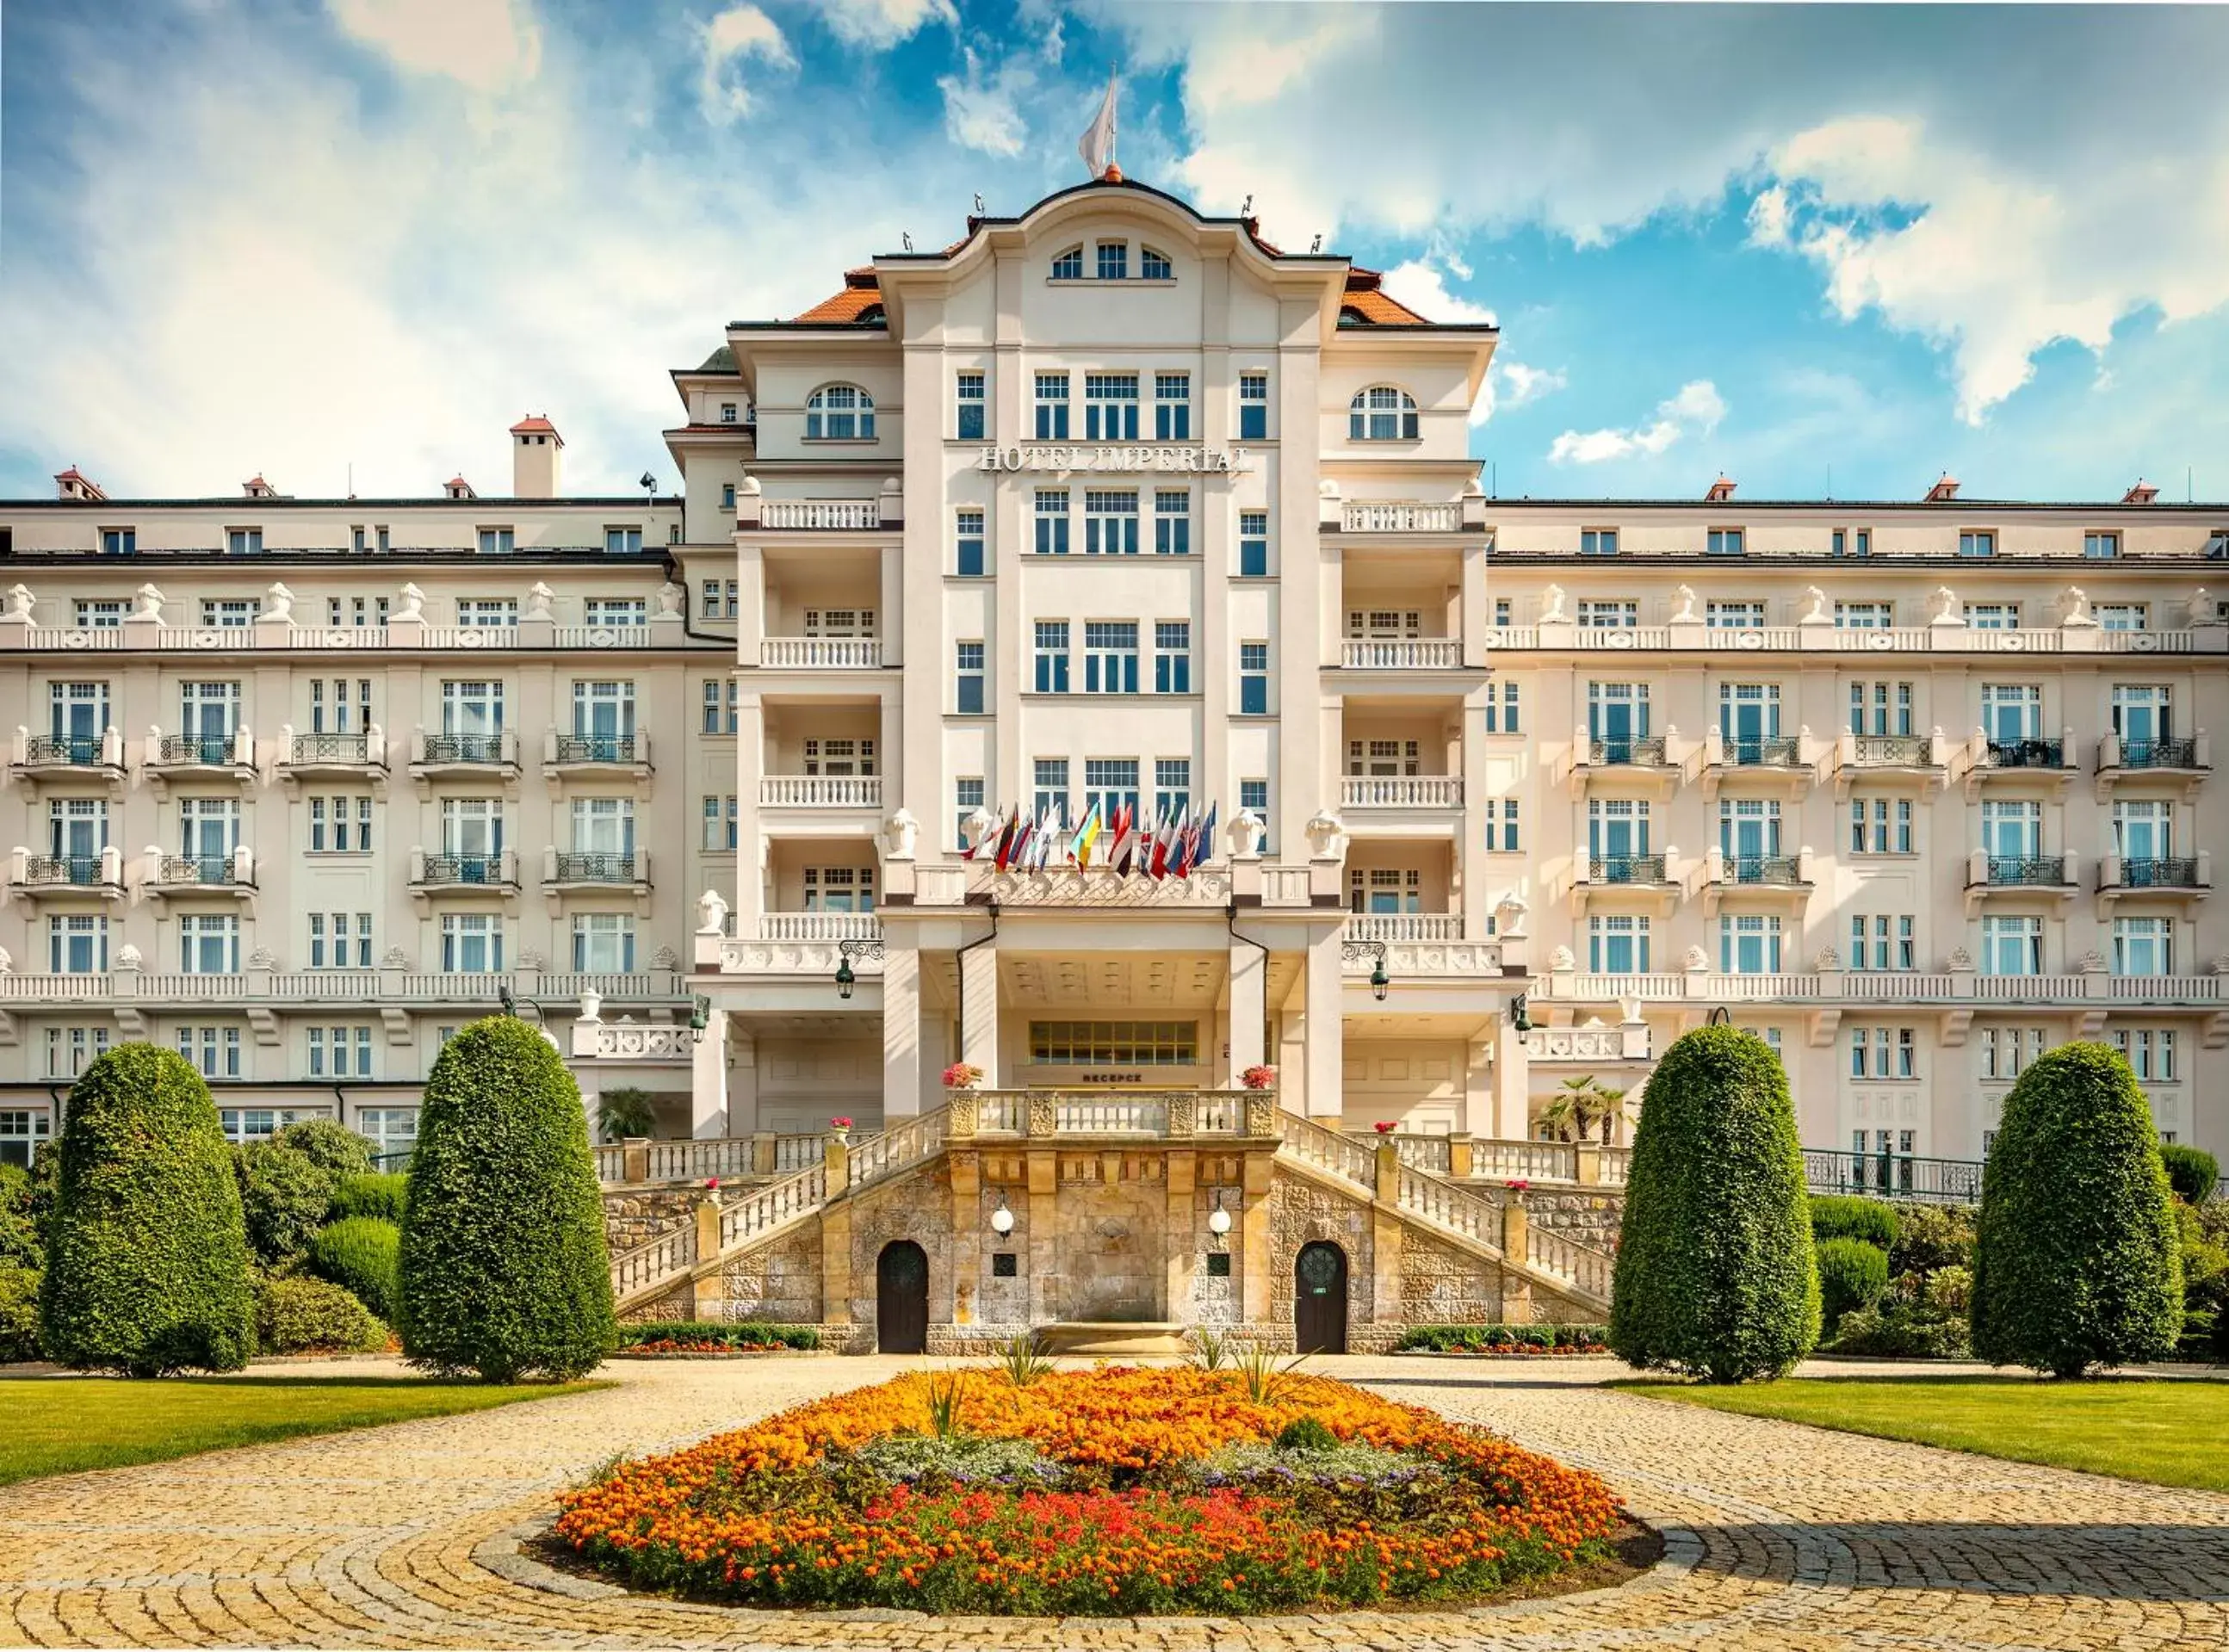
{"x":1172,"y":787}
{"x":1152,"y":266}
{"x":728,"y":413}
{"x":711,"y":722}
{"x":1171,"y":521}
{"x":1052,"y":399}
{"x":1977,"y":542}
{"x":70,"y":1048}
{"x":1880,"y":708}
{"x":100,"y":614}
{"x":2142,"y":715}
{"x":1749,"y":944}
{"x":243,"y":542}
{"x":391,"y":1130}
{"x":2123,"y":616}
{"x":1254,"y":544}
{"x":1110,"y":407}
{"x":1385,"y":891}
{"x":716,"y":836}
{"x":1253,"y":407}
{"x":1110,"y":656}
{"x":1382,"y":414}
{"x":1501,"y":613}
{"x":210,"y":711}
{"x":1114,"y":260}
{"x":615,"y":610}
{"x":2011,"y":712}
{"x":1110,"y":522}
{"x":1050,"y":799}
{"x":1600,"y":615}
{"x":2006,"y":1050}
{"x":1382,"y":757}
{"x":336,"y":925}
{"x":2142,"y":831}
{"x":840,"y":413}
{"x":1384,"y":622}
{"x":471,"y":829}
{"x":1052,"y":521}
{"x":1114,"y":1044}
{"x":340,"y":1051}
{"x":1598,"y":541}
{"x":727,"y":498}
{"x":486,"y":613}
{"x":2101,"y":545}
{"x":839,"y":622}
{"x":214,"y":1051}
{"x":342,"y":717}
{"x":1171,"y":407}
{"x":1724,"y":542}
{"x":1172,"y":657}
{"x":1865,"y":616}
{"x":1069,"y":266}
{"x":208,"y":945}
{"x":119,"y":542}
{"x":78,"y":713}
{"x":967,"y":393}
{"x":2012,"y":946}
{"x":1253,"y":679}
{"x":2143,"y":947}
{"x":1618,"y":944}
{"x":1507,"y":842}
{"x":711,"y":609}
{"x":966,"y":802}
{"x":1108,"y":783}
{"x":1617,"y":832}
{"x":498,"y":542}
{"x":1884,"y":1052}
{"x":472,"y":943}
{"x":77,"y":944}
{"x":339,"y":825}
{"x":229,"y":614}
{"x":1254,"y":798}
{"x":21,"y":1131}
{"x":1749,"y":714}
{"x":1871,"y":829}
{"x":839,"y":889}
{"x":967,"y":543}
{"x":2149,"y":1053}
{"x":1748,"y":829}
{"x":1734,"y":616}
{"x":603,"y":943}
{"x":622,"y":541}
{"x":839,"y":757}
{"x":77,"y":832}
{"x":604,"y":825}
{"x":968,"y":663}
{"x":1050,"y":657}
{"x":2012,"y":830}
{"x":356,"y":613}
{"x":245,"y":1124}
{"x":1502,"y":709}
{"x":1881,"y":940}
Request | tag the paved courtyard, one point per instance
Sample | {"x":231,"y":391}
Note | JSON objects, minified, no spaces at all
{"x":1800,"y":1539}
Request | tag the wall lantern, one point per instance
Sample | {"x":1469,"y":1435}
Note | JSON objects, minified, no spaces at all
{"x":1218,"y":1220}
{"x":700,"y":1017}
{"x":1375,"y":951}
{"x":1719,"y":1016}
{"x":1002,"y":1220}
{"x":846,"y":977}
{"x":1519,"y":1016}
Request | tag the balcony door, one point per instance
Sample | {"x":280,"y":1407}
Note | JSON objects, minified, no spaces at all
{"x":471,"y":708}
{"x":1618,"y":714}
{"x":1748,"y":715}
{"x":2140,"y":713}
{"x":2011,"y":712}
{"x":1748,"y":829}
{"x":208,"y":832}
{"x":603,"y":711}
{"x":2141,"y":831}
{"x":2012,"y":831}
{"x":1617,"y":830}
{"x":80,"y":714}
{"x":209,"y":712}
{"x":603,"y":825}
{"x":78,"y":829}
{"x":472,"y":827}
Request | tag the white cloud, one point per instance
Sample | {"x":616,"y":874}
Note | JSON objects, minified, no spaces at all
{"x":1768,"y":218}
{"x":1418,"y":284}
{"x":877,"y":25}
{"x":1527,"y":383}
{"x":485,"y":44}
{"x":985,"y":115}
{"x":741,"y":34}
{"x":1696,"y":405}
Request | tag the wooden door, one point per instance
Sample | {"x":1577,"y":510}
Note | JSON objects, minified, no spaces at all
{"x":902,"y":1299}
{"x":1320,"y":1299}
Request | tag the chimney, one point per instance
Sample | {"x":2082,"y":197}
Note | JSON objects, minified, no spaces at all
{"x":456,"y":488}
{"x":1944,"y":491}
{"x":1719,"y":491}
{"x":256,"y":488}
{"x":534,"y":448}
{"x":2142,"y":494}
{"x":76,"y":486}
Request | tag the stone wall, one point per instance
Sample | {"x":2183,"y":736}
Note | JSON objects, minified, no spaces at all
{"x":1302,"y":1211}
{"x":634,"y":1216}
{"x":778,"y":1282}
{"x":1441,"y":1285}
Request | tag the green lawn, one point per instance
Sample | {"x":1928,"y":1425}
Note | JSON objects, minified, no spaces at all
{"x":2171,"y":1433}
{"x":62,"y":1424}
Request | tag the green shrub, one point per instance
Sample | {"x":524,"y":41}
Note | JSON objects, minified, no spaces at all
{"x":1843,"y":1216}
{"x":1928,"y":1236}
{"x":147,"y":1263}
{"x":380,"y":1193}
{"x":20,"y":1244}
{"x":1852,"y":1274}
{"x":1896,"y":1330}
{"x":626,"y":1112}
{"x":360,"y":1253}
{"x":1950,"y":1291}
{"x":302,"y":1315}
{"x":1714,"y":1272}
{"x":286,"y":1198}
{"x":1306,"y":1434}
{"x":2192,"y":1172}
{"x":19,"y":1314}
{"x":1455,"y":1339}
{"x":334,"y":1149}
{"x":504,"y":1267}
{"x":733,"y":1334}
{"x":2079,"y":1260}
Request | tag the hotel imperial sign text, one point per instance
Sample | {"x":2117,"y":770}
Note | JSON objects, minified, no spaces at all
{"x":1086,"y":456}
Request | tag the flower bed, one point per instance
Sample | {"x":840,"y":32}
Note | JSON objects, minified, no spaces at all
{"x":1110,"y":1491}
{"x":1505,"y":1340}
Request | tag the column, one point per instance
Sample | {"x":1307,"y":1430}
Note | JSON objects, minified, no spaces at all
{"x":979,"y":993}
{"x":1180,"y":1230}
{"x":743,"y":1085}
{"x":967,"y":1236}
{"x":1475,"y":610}
{"x":1248,"y":986}
{"x":1512,"y":1081}
{"x":707,"y":1081}
{"x":1478,"y":1086}
{"x":1254,"y":1260}
{"x":1325,"y":1055}
{"x":901,"y":1025}
{"x":1045,"y":1233}
{"x":1291,"y":1062}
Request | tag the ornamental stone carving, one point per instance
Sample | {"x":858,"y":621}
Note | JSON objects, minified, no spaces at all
{"x":414,"y":603}
{"x":19,"y":603}
{"x":1043,"y":1114}
{"x":1961,"y":959}
{"x":2074,"y":607}
{"x":1695,"y":959}
{"x":712,"y":913}
{"x":1246,"y":831}
{"x":261,"y":958}
{"x":1829,"y":958}
{"x":395,"y":958}
{"x":150,"y":604}
{"x":1183,"y":1114}
{"x":1561,"y":959}
{"x":1942,"y":602}
{"x":1552,"y":613}
{"x":1685,"y":614}
{"x":1261,"y":1113}
{"x":2093,"y":962}
{"x":1814,"y":608}
{"x":666,"y":958}
{"x":2202,"y":611}
{"x":532,"y":961}
{"x":1324,"y":832}
{"x":901,"y":832}
{"x":278,"y":604}
{"x":669,"y":597}
{"x":961,"y":1113}
{"x":127,"y":956}
{"x":7,"y":963}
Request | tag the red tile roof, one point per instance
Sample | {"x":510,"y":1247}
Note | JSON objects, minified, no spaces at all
{"x":1370,"y":303}
{"x":535,"y":425}
{"x":862,"y":294}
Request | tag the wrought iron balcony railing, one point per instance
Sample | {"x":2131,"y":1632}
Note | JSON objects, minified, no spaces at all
{"x":82,"y":872}
{"x":491,"y":870}
{"x":1622,"y":750}
{"x":2159,"y":753}
{"x":332,"y":748}
{"x":1625,"y":869}
{"x":2179,"y":871}
{"x":79,"y":751}
{"x":214,"y":749}
{"x":595,"y":748}
{"x":2026,"y":754}
{"x":214,"y":871}
{"x":1894,"y":750}
{"x":1945,"y":1181}
{"x":466,"y":748}
{"x":2026,"y":871}
{"x":596,"y":868}
{"x":1776,"y":753}
{"x":1763,"y":869}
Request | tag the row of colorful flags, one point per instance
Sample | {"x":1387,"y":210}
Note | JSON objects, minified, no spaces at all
{"x":1119,"y":840}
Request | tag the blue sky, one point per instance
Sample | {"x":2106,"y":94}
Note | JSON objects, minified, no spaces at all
{"x":1812,"y":246}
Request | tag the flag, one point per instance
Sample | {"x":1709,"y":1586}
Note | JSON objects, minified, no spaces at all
{"x":1041,"y":845}
{"x":976,"y":845}
{"x":1181,"y":852}
{"x":1118,"y":856}
{"x":1164,"y":844}
{"x":1006,"y":849}
{"x":1025,"y":830}
{"x":1207,"y":837}
{"x":1087,"y":834}
{"x":1097,"y":143}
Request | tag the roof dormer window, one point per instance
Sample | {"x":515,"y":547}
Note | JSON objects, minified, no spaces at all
{"x":840,"y":413}
{"x":1114,"y":260}
{"x":1382,"y":413}
{"x":1068,"y":266}
{"x":1153,"y":267}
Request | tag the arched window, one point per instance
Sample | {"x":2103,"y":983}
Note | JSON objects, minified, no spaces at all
{"x":1068,"y":266}
{"x":1382,"y":413}
{"x":840,"y":413}
{"x":1153,"y":265}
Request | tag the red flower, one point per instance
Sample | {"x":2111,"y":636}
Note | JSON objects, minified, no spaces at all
{"x":1385,"y":1127}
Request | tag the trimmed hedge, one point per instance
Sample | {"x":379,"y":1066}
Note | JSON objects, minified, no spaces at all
{"x":729,"y":1333}
{"x":1845,"y":1216}
{"x":286,"y":1198}
{"x":1932,"y":1237}
{"x":2078,"y":1259}
{"x":361,"y":1255}
{"x":2192,"y":1172}
{"x":380,"y":1193}
{"x":1467,"y":1339}
{"x":1852,"y":1274}
{"x":19,"y":1313}
{"x":302,"y":1315}
{"x":333,"y":1148}
{"x":20,"y":1244}
{"x":1895,"y":1330}
{"x":147,"y":1263}
{"x":1714,"y":1272}
{"x":504,"y":1267}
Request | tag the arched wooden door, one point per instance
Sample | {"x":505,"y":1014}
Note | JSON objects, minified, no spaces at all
{"x":1320,"y":1299}
{"x":902,"y":1299}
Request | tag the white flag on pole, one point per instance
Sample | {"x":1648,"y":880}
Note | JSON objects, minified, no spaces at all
{"x":1097,"y":143}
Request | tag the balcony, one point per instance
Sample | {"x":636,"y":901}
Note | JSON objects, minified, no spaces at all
{"x":1771,"y":758}
{"x":802,"y":945}
{"x":1920,"y":760}
{"x":2187,"y":875}
{"x":564,"y":871}
{"x":462,"y":756}
{"x":31,"y":876}
{"x":63,"y":756}
{"x":2187,"y":760}
{"x":1654,"y":880}
{"x":455,"y":874}
{"x":1442,"y":793}
{"x":593,"y":755}
{"x":351,"y":989}
{"x":1988,"y":874}
{"x":1631,"y":760}
{"x":1426,"y":945}
{"x":1402,"y":654}
{"x":339,"y":756}
{"x":177,"y":756}
{"x":1787,"y":876}
{"x":821,"y":653}
{"x":821,"y":792}
{"x":824,"y":516}
{"x":1962,"y":986}
{"x":220,"y":874}
{"x":1401,"y":516}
